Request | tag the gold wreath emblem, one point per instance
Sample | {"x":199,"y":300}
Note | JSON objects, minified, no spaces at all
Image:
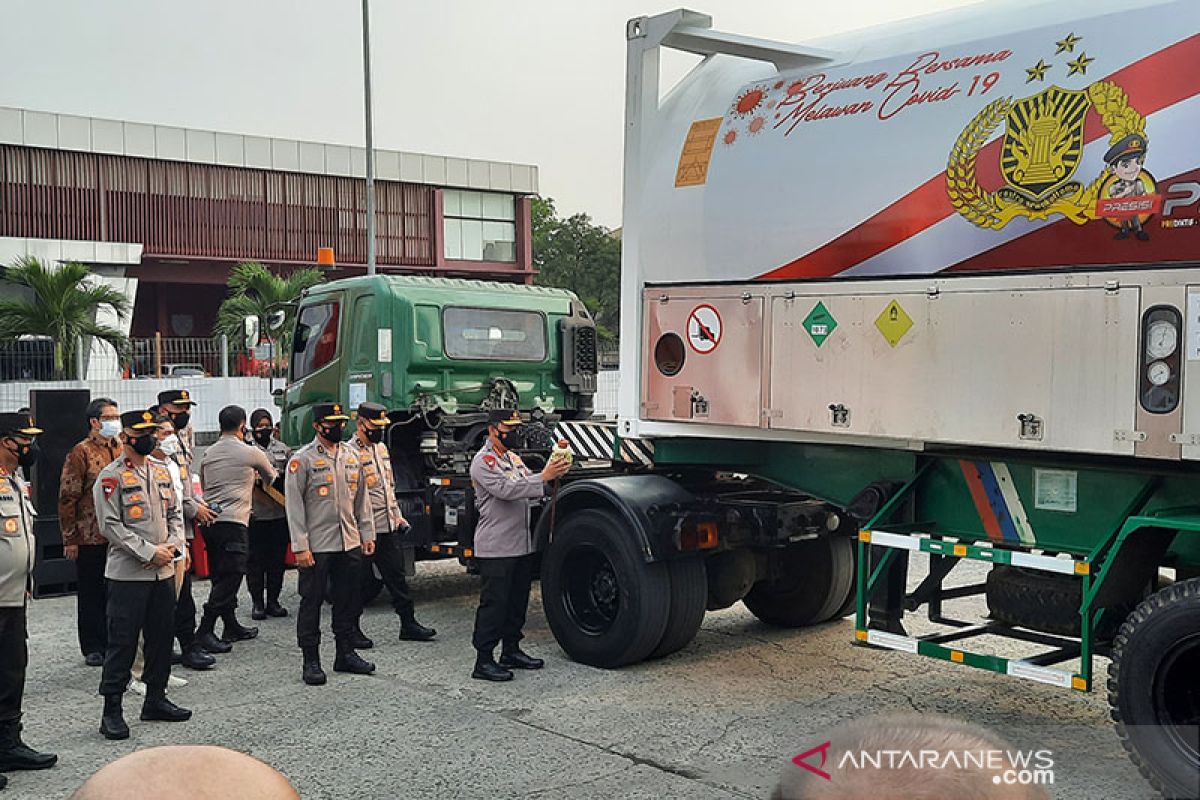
{"x":996,"y":209}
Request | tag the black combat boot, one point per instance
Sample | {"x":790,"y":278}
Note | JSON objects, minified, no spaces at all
{"x":258,"y":611}
{"x":161,"y":709}
{"x":112,"y":724}
{"x":349,"y":661}
{"x":275,"y":610}
{"x":413,"y":631}
{"x":194,"y":657}
{"x":15,"y":754}
{"x":360,"y":641}
{"x":3,"y":780}
{"x":515,"y":658}
{"x":486,"y":669}
{"x":235,"y":631}
{"x":313,"y":674}
{"x":207,"y":639}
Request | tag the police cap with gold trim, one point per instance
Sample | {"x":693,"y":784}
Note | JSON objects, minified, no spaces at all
{"x":329,"y":412}
{"x":18,"y":425}
{"x":504,"y":416}
{"x":178,"y":397}
{"x":373,"y":413}
{"x":138,"y":420}
{"x":1135,"y":144}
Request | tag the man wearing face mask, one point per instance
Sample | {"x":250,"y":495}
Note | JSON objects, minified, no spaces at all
{"x":504,"y":490}
{"x":82,"y":541}
{"x":140,"y":516}
{"x":330,"y":523}
{"x":268,"y":526}
{"x":174,"y":404}
{"x":227,"y":474}
{"x":389,"y":522}
{"x":17,"y":449}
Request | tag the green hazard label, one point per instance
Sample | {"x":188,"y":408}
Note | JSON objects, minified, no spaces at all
{"x":819,"y":323}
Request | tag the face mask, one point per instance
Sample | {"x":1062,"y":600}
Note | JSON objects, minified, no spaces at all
{"x":27,"y":454}
{"x":374,"y":435}
{"x":143,"y":445}
{"x":333,"y":431}
{"x":506,"y":438}
{"x":109,"y":428}
{"x":169,"y":445}
{"x":181,"y":420}
{"x":263,"y":436}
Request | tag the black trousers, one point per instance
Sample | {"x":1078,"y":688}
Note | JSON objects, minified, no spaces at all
{"x":14,"y":656}
{"x":148,"y":608}
{"x":389,"y":557}
{"x":91,"y":600}
{"x":185,"y":614}
{"x":227,"y":552}
{"x":503,"y":600}
{"x":342,"y":572}
{"x":265,"y":564}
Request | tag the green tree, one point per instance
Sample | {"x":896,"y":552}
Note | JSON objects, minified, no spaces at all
{"x":577,"y":254}
{"x":63,"y":306}
{"x":255,"y":291}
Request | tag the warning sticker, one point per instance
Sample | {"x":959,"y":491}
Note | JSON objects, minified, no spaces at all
{"x":893,"y":323}
{"x":697,"y":152}
{"x":704,"y":329}
{"x":819,"y":323}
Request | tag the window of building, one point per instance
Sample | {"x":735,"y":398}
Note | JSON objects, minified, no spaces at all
{"x":315,"y":342}
{"x":493,"y":335}
{"x":479,"y":226}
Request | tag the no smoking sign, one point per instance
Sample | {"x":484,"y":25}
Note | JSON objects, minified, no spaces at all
{"x":704,"y":329}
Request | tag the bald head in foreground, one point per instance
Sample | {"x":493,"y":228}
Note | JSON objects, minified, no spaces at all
{"x":946,"y":758}
{"x":194,"y":772}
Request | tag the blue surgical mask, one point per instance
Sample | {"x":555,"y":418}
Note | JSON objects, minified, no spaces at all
{"x":110,"y":428}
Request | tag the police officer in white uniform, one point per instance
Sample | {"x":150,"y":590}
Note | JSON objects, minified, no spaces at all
{"x":18,"y":448}
{"x":504,"y":490}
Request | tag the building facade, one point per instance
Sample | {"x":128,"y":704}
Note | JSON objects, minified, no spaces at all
{"x":164,"y":213}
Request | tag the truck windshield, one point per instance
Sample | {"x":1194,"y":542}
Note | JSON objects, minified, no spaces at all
{"x":315,"y":343}
{"x":492,"y":335}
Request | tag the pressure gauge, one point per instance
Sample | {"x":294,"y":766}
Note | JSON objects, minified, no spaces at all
{"x":1162,"y":337}
{"x":1158,"y":373}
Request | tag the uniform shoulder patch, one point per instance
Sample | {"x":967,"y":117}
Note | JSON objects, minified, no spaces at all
{"x":490,"y":461}
{"x":294,"y":465}
{"x":183,"y":473}
{"x":109,"y":485}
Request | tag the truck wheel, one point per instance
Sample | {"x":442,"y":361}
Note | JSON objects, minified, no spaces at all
{"x":606,"y":606}
{"x":689,"y":599}
{"x":1153,"y":691}
{"x":815,"y":585}
{"x":1043,"y":602}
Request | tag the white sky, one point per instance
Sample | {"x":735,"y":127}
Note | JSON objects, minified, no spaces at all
{"x":532,"y":81}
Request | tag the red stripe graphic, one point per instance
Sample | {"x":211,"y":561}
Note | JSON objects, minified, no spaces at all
{"x":979,"y":495}
{"x":1154,"y":83}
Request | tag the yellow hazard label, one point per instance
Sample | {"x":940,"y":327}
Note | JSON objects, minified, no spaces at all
{"x":893,"y":323}
{"x":697,"y":152}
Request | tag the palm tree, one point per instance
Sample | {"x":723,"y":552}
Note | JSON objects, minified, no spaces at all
{"x":255,"y":291}
{"x":63,"y":307}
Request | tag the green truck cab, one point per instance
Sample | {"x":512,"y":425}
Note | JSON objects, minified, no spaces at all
{"x":439,"y":354}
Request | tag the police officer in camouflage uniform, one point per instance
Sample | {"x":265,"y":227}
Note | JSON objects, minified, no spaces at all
{"x":376,"y":462}
{"x":141,"y":517}
{"x":331,"y":528}
{"x":504,"y":491}
{"x":18,"y":448}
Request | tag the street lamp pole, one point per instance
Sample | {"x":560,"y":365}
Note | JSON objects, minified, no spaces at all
{"x":366,"y":28}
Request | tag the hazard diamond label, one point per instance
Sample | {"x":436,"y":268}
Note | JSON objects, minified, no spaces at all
{"x":893,"y":323}
{"x":819,"y":323}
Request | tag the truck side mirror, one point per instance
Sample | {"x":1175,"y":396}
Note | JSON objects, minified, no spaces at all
{"x":250,"y":328}
{"x":275,"y":319}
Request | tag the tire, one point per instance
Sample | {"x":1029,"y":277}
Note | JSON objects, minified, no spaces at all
{"x":816,"y":584}
{"x":1043,"y":602}
{"x":689,"y":600}
{"x":850,"y":604}
{"x":1153,"y":692}
{"x":606,"y":606}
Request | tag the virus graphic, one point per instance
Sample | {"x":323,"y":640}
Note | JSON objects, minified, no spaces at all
{"x":748,"y":102}
{"x":730,"y":136}
{"x":778,"y":84}
{"x":796,"y":88}
{"x":756,"y":124}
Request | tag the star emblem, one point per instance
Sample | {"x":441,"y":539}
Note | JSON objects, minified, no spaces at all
{"x":1079,"y":66}
{"x":1037,"y":72}
{"x":1067,"y":45}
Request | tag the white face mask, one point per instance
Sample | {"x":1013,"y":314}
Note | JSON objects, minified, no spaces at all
{"x":109,"y":428}
{"x":169,"y":445}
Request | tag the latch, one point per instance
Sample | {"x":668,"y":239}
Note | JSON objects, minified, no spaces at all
{"x":688,"y":403}
{"x":1032,"y":427}
{"x":772,"y":413}
{"x":839,"y":416}
{"x":699,"y":405}
{"x":1129,"y":436}
{"x":1185,"y":439}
